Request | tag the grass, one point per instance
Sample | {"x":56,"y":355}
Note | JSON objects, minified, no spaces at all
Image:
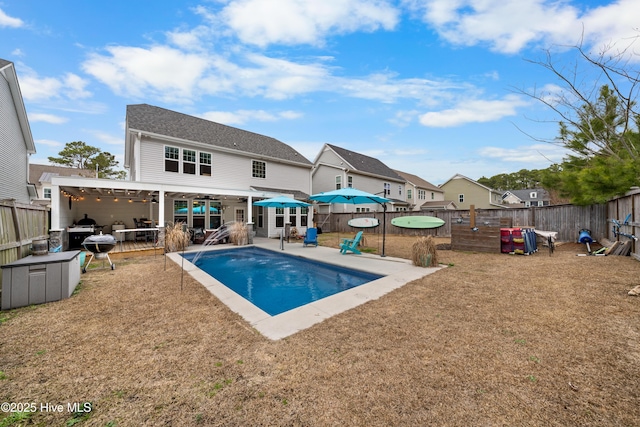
{"x":497,"y":340}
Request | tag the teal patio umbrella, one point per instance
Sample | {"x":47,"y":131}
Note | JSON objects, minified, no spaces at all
{"x":355,"y":197}
{"x":281,"y":202}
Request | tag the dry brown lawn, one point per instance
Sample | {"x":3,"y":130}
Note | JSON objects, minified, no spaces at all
{"x":493,"y":340}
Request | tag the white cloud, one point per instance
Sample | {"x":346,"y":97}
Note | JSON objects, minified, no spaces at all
{"x":47,"y":118}
{"x":243,"y":116}
{"x":533,"y":154}
{"x":509,"y":26}
{"x":37,"y":89}
{"x":264,"y":22}
{"x":8,"y":21}
{"x":167,"y":73}
{"x":107,"y":138}
{"x":473,"y":111}
{"x":49,"y":143}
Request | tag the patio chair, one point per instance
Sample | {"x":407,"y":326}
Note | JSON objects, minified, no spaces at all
{"x":351,"y":245}
{"x":311,"y":238}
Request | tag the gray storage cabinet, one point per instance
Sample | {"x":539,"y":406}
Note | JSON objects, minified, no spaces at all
{"x":37,"y":279}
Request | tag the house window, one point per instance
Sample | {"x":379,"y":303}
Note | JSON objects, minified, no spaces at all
{"x":304,"y":212}
{"x":293,"y":217}
{"x":205,"y":164}
{"x":409,"y":194}
{"x":171,"y":159}
{"x":422,"y":194}
{"x":350,"y":181}
{"x":461,"y":198}
{"x":533,"y":195}
{"x":46,"y":192}
{"x":400,"y":190}
{"x":338,"y":182}
{"x":189,"y":162}
{"x":433,"y":196}
{"x":387,"y":189}
{"x":258,"y":169}
{"x":180,"y":210}
{"x":279,"y":217}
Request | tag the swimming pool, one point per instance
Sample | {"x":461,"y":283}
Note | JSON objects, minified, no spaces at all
{"x":276,"y":282}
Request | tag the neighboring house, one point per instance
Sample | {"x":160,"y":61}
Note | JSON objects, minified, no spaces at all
{"x":438,"y":205}
{"x":16,"y":140}
{"x":466,"y":192}
{"x":422,"y":195}
{"x":41,"y":175}
{"x":184,"y":168}
{"x":336,"y":168}
{"x":533,"y":197}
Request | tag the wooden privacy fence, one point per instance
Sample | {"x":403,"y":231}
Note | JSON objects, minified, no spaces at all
{"x":623,"y":208}
{"x":20,"y":225}
{"x":567,"y":220}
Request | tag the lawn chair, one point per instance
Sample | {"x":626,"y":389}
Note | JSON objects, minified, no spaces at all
{"x":311,"y":238}
{"x":351,"y":244}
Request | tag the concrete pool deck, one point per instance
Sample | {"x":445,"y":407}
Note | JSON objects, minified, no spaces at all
{"x":397,"y":272}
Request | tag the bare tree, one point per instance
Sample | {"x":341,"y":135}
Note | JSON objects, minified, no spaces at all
{"x":595,"y":121}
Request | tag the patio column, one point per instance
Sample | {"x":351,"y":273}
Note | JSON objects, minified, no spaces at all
{"x":160,"y":208}
{"x":55,"y":207}
{"x":249,"y":210}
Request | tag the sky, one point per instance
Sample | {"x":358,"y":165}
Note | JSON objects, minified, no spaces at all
{"x":429,"y":87}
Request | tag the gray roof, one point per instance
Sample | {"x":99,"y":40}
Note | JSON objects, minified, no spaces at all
{"x":156,"y":120}
{"x":366,"y":164}
{"x":43,"y":173}
{"x":419,"y":182}
{"x":4,"y":63}
{"x":524,"y":194}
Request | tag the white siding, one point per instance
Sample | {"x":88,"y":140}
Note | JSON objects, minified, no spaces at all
{"x":228,"y":170}
{"x":13,"y":150}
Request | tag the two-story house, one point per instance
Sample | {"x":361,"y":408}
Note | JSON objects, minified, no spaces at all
{"x":532,"y":197}
{"x":188,"y":169}
{"x":335,"y":168}
{"x":16,"y":140}
{"x":422,"y":195}
{"x":466,"y":192}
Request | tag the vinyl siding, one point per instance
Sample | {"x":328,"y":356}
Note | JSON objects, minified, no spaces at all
{"x":13,"y":150}
{"x":473,"y":194}
{"x":228,"y":170}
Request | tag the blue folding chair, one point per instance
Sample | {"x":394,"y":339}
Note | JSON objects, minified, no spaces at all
{"x":311,"y":238}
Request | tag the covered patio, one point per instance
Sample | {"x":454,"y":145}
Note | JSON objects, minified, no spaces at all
{"x":129,"y":209}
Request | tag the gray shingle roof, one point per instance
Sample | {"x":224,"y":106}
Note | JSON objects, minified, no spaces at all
{"x":419,"y":182}
{"x":148,"y":118}
{"x":366,"y":164}
{"x":4,"y":63}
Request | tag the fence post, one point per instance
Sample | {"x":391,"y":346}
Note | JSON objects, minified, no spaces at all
{"x":17,"y":228}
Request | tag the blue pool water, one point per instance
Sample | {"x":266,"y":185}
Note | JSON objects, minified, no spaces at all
{"x":277,"y":282}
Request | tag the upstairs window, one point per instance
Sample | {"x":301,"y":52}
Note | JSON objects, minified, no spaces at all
{"x":338,"y":182}
{"x":189,"y":162}
{"x":387,"y":189}
{"x":400,"y":190}
{"x":533,"y":195}
{"x":171,"y":159}
{"x":46,"y":192}
{"x":461,"y":198}
{"x":205,"y":164}
{"x":258,"y":169}
{"x":350,"y":181}
{"x":409,"y":194}
{"x":422,"y":194}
